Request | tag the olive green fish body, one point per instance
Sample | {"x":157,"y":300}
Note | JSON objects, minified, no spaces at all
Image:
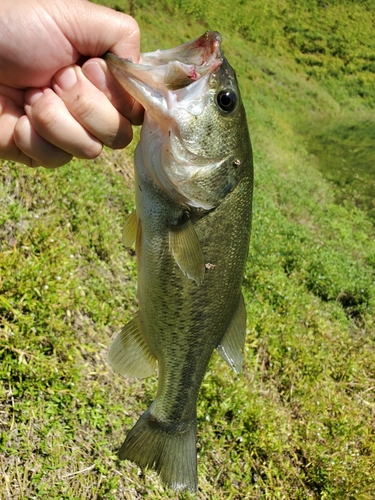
{"x":194,"y":182}
{"x":186,"y":320}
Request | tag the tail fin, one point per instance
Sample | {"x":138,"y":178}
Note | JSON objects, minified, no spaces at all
{"x":169,"y":449}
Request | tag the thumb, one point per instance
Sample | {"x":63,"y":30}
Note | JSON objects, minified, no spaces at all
{"x":94,"y":29}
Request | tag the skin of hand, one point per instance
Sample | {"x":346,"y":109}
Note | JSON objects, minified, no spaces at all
{"x":57,"y":97}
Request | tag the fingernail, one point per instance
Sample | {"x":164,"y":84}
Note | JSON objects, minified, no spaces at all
{"x":66,"y":78}
{"x":94,"y":71}
{"x":33,"y":95}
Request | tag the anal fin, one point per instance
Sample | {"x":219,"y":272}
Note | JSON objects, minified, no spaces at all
{"x":129,"y":353}
{"x":187,"y":251}
{"x":129,"y":232}
{"x":232,"y":344}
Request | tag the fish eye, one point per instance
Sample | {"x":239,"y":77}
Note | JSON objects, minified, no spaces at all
{"x":227,"y":100}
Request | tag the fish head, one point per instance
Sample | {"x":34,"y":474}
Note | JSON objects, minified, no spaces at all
{"x":194,"y":135}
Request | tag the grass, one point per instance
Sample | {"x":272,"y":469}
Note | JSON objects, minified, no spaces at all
{"x":298,"y":423}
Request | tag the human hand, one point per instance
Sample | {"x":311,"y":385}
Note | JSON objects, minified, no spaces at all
{"x":51,"y":108}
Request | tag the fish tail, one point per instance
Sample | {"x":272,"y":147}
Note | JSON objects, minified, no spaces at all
{"x":168,"y":448}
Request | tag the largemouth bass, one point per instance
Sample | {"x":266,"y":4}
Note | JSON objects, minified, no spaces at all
{"x":194,"y":183}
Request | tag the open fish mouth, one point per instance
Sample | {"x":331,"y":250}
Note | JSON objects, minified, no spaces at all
{"x":188,"y":62}
{"x":171,"y":69}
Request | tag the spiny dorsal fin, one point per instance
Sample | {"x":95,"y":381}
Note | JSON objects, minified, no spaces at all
{"x":232,"y":344}
{"x":129,"y":353}
{"x":129,"y":232}
{"x":186,"y":250}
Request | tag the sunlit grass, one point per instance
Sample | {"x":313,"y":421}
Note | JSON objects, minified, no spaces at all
{"x":298,"y":422}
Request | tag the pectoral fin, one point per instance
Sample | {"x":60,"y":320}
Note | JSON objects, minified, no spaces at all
{"x":186,"y":249}
{"x":129,"y":353}
{"x":129,"y":232}
{"x":232,"y":344}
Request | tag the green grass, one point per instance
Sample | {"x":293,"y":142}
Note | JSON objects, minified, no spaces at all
{"x":298,"y":423}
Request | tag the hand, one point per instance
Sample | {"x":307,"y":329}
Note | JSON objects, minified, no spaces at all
{"x":51,"y":107}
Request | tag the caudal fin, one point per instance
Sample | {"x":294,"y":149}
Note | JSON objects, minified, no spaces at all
{"x":169,"y":449}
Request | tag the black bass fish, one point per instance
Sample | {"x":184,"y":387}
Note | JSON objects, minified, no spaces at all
{"x":191,"y":227}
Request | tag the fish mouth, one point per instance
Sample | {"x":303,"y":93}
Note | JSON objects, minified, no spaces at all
{"x":196,"y":51}
{"x":162,"y":71}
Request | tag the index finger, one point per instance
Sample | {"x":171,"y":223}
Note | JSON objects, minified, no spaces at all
{"x":96,"y":70}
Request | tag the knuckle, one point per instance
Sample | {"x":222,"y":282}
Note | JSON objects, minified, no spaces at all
{"x":133,"y":27}
{"x":84,"y":106}
{"x":127,"y":25}
{"x":46,"y":114}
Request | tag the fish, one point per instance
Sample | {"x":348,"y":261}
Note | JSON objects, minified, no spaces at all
{"x":191,"y":229}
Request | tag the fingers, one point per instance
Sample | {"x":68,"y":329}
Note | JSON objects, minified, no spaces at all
{"x":86,"y":109}
{"x":9,"y":116}
{"x":80,"y":109}
{"x":35,"y":149}
{"x":91,"y":107}
{"x":53,"y":122}
{"x":80,"y":115}
{"x":18,"y":140}
{"x":96,"y":70}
